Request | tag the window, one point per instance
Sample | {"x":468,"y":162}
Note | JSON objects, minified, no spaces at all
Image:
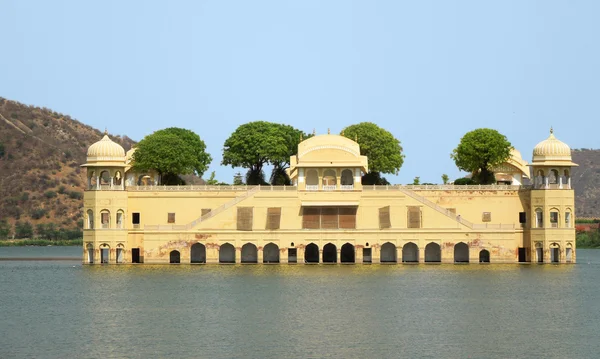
{"x":554,"y":219}
{"x":568,"y":219}
{"x":522,"y":218}
{"x":119,"y":219}
{"x":171,"y":218}
{"x":273,"y":217}
{"x":311,"y":218}
{"x":414,"y":217}
{"x":205,"y":211}
{"x":329,"y":217}
{"x":90,"y":219}
{"x":384,"y":217}
{"x":348,"y":217}
{"x":135,"y":220}
{"x":486,"y":217}
{"x":244,"y":218}
{"x":105,"y":219}
{"x":539,"y":218}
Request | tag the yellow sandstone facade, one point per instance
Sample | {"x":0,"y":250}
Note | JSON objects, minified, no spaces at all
{"x":327,"y":216}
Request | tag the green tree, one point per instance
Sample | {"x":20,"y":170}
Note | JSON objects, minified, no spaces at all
{"x":5,"y":228}
{"x":417,"y":180}
{"x":23,"y":230}
{"x":380,"y":146}
{"x":172,"y":152}
{"x":445,"y":178}
{"x":479,"y":151}
{"x":212,"y":181}
{"x":256,"y":144}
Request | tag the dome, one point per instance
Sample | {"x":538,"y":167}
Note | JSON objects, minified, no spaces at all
{"x":105,"y":150}
{"x":551,"y":149}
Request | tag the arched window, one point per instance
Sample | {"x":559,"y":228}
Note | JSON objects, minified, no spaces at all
{"x":90,"y":253}
{"x":90,"y":219}
{"x":312,"y":180}
{"x":118,"y":178}
{"x":568,"y":219}
{"x":104,"y":253}
{"x":329,"y":180}
{"x":347,"y":179}
{"x":539,"y":218}
{"x":92,"y":180}
{"x":120,"y":251}
{"x":104,"y":178}
{"x":120,"y":218}
{"x":554,"y":218}
{"x":553,"y":177}
{"x":105,"y":219}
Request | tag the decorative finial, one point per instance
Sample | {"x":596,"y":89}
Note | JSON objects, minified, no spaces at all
{"x":328,"y":131}
{"x":314,"y":132}
{"x":551,"y":130}
{"x":342,"y":132}
{"x":300,"y":136}
{"x":105,"y":131}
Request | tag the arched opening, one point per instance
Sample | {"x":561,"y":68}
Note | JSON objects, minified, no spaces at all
{"x":461,"y":253}
{"x":567,"y":179}
{"x":90,"y":219}
{"x":539,"y":218}
{"x":388,"y":253}
{"x":271,"y":253}
{"x":347,"y":254}
{"x":539,"y":253}
{"x":105,"y":219}
{"x":569,"y":253}
{"x":311,"y":253}
{"x":484,"y":256}
{"x":329,"y":253}
{"x":347,"y":179}
{"x":410,"y":253}
{"x":553,"y":176}
{"x":568,"y":218}
{"x":174,"y":257}
{"x":198,"y":253}
{"x":104,"y":253}
{"x":120,"y":253}
{"x":554,"y":253}
{"x":92,"y":182}
{"x":120,"y":218}
{"x":433,"y":253}
{"x":104,"y":178}
{"x":226,"y":253}
{"x":118,"y":178}
{"x":249,"y":253}
{"x":329,"y":180}
{"x":312,"y":180}
{"x":90,"y":253}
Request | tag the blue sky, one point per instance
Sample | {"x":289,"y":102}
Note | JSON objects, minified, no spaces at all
{"x":427,"y":71}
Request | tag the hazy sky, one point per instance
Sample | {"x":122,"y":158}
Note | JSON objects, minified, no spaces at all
{"x":427,"y":71}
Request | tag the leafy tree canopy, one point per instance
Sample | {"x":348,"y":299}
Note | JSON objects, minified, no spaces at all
{"x":171,"y":152}
{"x":379,"y":145}
{"x":479,"y":151}
{"x":255,"y":144}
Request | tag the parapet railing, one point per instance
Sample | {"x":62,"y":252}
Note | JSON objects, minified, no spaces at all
{"x":445,"y":187}
{"x":494,"y":226}
{"x":207,"y":188}
{"x":245,"y":188}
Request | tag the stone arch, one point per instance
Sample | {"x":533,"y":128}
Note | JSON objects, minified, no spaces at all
{"x":347,"y":177}
{"x":461,"y":253}
{"x":433,"y":253}
{"x":226,"y":253}
{"x":484,"y":256}
{"x":553,"y":176}
{"x":311,"y":253}
{"x":329,"y":178}
{"x":118,"y":179}
{"x":174,"y":257}
{"x":312,"y":177}
{"x":329,"y":253}
{"x":90,"y":253}
{"x":105,"y":178}
{"x":120,"y":253}
{"x":569,"y":252}
{"x":554,"y":253}
{"x":539,"y":252}
{"x":198,"y":253}
{"x":539,"y":218}
{"x":120,"y":218}
{"x":92,"y":180}
{"x":271,"y":253}
{"x":90,"y":219}
{"x":347,"y":254}
{"x":568,"y":217}
{"x":410,"y":253}
{"x":388,"y":253}
{"x":249,"y":253}
{"x":104,"y":253}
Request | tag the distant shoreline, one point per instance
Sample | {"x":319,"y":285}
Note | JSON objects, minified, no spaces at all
{"x":40,"y":242}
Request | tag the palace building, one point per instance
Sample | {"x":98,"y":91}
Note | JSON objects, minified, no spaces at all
{"x":328,"y":216}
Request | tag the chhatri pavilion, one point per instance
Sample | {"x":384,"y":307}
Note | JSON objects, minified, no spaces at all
{"x":328,"y":216}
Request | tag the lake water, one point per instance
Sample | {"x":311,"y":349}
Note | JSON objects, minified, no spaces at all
{"x":61,"y":309}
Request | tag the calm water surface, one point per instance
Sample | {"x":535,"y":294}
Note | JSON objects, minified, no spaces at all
{"x":61,"y":309}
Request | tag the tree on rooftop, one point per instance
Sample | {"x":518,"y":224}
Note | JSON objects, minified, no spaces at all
{"x":172,"y":152}
{"x":256,"y":144}
{"x":479,"y":151}
{"x":382,"y":149}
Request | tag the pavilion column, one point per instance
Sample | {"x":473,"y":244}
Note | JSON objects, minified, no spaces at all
{"x":259,"y":254}
{"x":358,"y":254}
{"x":338,"y":255}
{"x":238,"y":255}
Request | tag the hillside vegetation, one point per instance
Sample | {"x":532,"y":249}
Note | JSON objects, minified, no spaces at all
{"x":41,"y":182}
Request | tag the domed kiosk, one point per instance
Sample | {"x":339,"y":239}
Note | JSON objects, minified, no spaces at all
{"x":552,"y":164}
{"x":105,"y":165}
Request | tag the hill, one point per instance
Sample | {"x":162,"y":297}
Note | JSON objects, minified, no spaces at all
{"x":586,"y":182}
{"x":41,"y":182}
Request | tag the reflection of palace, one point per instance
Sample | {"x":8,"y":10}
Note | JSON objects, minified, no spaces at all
{"x":327,"y":216}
